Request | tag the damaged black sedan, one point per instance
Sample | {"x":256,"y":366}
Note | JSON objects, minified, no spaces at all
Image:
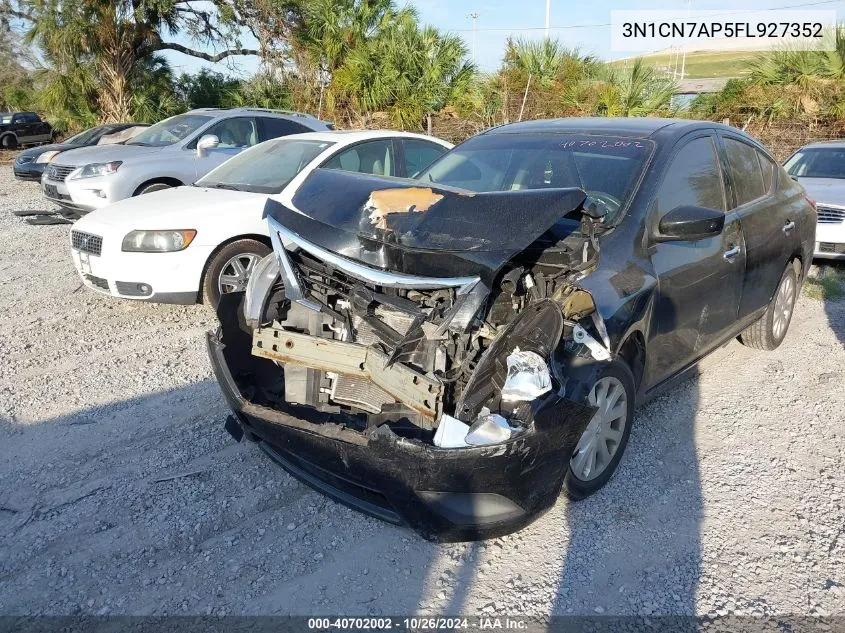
{"x":451,"y":352}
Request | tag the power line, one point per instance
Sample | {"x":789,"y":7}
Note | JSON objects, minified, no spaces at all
{"x":604,"y":24}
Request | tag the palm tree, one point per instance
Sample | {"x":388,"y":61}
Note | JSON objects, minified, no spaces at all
{"x":112,"y":39}
{"x":636,"y":90}
{"x":546,"y":58}
{"x":408,"y":71}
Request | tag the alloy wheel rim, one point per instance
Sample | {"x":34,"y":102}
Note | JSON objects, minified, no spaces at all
{"x":235,"y":273}
{"x":784,"y":302}
{"x":603,"y":435}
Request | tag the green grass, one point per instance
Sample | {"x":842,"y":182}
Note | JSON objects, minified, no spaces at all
{"x":826,"y":285}
{"x":702,"y":64}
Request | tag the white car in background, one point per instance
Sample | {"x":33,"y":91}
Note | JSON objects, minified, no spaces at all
{"x":820,"y":167}
{"x":193,"y":243}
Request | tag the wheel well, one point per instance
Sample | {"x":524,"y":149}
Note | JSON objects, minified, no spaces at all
{"x":5,"y":134}
{"x":633,"y":353}
{"x":173,"y":182}
{"x":249,"y":236}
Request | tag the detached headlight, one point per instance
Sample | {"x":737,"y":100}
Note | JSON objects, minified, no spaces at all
{"x":158,"y":241}
{"x":96,"y":169}
{"x":46,"y":157}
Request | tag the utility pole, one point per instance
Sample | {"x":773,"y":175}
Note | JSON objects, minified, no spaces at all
{"x":684,"y":58}
{"x":548,"y":13}
{"x":474,"y":17}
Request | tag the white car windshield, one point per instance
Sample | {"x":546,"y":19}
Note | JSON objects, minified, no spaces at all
{"x":265,"y":168}
{"x":170,"y":130}
{"x":822,"y":162}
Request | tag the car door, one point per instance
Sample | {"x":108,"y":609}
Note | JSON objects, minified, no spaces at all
{"x":699,"y":282}
{"x":368,"y":157}
{"x":41,"y":130}
{"x":22,"y":128}
{"x":767,"y":226}
{"x":418,"y":154}
{"x":235,"y":135}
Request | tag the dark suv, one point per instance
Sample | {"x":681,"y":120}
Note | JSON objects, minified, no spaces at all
{"x":452,"y":352}
{"x":23,"y":128}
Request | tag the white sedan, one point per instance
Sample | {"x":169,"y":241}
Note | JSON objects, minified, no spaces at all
{"x":195,"y":243}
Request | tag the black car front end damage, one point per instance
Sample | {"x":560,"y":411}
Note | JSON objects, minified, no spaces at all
{"x":421,"y":353}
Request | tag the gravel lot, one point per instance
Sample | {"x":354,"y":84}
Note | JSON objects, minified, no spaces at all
{"x":120,"y":492}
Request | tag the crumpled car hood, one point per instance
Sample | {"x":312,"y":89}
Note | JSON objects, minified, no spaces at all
{"x":409,"y":227}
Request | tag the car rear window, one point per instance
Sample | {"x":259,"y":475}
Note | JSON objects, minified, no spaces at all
{"x":817,"y":162}
{"x":603,"y":166}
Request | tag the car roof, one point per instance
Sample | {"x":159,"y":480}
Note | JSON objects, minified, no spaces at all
{"x":233,"y":111}
{"x":353,"y":136}
{"x":834,"y":143}
{"x":634,"y":127}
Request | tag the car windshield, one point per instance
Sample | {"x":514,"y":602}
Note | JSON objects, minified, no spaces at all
{"x":265,"y":168}
{"x":5,"y":118}
{"x":605,"y":167}
{"x":822,"y":162}
{"x":170,"y":130}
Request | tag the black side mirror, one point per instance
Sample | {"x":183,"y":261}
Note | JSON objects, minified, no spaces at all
{"x":690,"y":223}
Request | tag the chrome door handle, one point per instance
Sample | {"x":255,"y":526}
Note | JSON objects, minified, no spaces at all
{"x":788,"y":226}
{"x":730,"y":254}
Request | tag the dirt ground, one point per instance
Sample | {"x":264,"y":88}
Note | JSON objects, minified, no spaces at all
{"x":120,"y":492}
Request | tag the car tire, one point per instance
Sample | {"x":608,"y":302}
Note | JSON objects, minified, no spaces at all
{"x":156,"y":186}
{"x":768,"y":332}
{"x":236,"y":261}
{"x":613,"y":432}
{"x":9,"y":142}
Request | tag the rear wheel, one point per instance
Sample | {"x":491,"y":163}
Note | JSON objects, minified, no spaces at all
{"x":231,"y":267}
{"x":601,"y":445}
{"x":769,"y":331}
{"x":9,"y":142}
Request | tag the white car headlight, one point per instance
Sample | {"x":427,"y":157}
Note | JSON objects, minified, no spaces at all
{"x":46,"y":157}
{"x":96,"y":169}
{"x":158,"y":241}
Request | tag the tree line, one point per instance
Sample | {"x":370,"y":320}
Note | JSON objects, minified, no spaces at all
{"x":358,"y":63}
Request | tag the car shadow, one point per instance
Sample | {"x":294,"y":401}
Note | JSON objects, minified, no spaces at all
{"x":634,"y":547}
{"x":835,"y":308}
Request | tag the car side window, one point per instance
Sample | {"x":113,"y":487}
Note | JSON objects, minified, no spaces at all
{"x":233,"y":132}
{"x":420,"y":154}
{"x":32,"y":118}
{"x":767,"y":166}
{"x":693,"y":178}
{"x":372,"y":157}
{"x":274,"y":128}
{"x":746,"y":173}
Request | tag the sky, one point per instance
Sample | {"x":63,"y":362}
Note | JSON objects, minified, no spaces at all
{"x":572,"y":21}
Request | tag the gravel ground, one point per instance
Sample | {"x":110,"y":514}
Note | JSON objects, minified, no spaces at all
{"x":120,"y":492}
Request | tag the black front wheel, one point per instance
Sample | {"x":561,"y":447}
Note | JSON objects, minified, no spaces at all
{"x":601,"y":445}
{"x":770,"y":330}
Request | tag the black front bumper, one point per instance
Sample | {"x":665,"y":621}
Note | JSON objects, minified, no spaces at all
{"x":30,"y":172}
{"x":444,"y":494}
